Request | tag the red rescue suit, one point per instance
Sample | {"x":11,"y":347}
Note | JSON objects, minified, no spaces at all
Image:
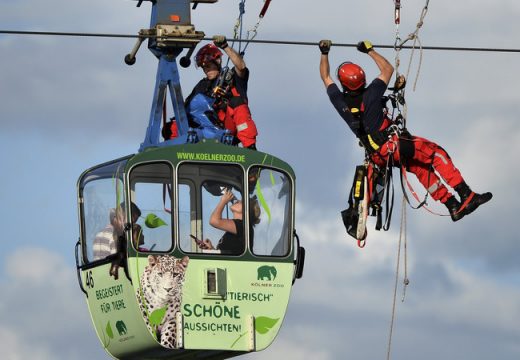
{"x":424,"y":158}
{"x":236,"y":117}
{"x":231,"y":107}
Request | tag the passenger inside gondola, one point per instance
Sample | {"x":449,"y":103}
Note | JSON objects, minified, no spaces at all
{"x":104,"y":243}
{"x":233,"y":240}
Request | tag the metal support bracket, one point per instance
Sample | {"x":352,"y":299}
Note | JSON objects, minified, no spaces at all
{"x":167,"y":78}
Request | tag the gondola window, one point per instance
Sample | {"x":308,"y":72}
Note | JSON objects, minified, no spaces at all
{"x":270,"y":211}
{"x":202,"y":187}
{"x":101,"y":191}
{"x":151,"y":192}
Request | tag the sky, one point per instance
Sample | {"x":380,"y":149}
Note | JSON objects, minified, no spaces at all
{"x":68,"y":103}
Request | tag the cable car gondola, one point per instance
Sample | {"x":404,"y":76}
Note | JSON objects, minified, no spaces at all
{"x":153,"y":291}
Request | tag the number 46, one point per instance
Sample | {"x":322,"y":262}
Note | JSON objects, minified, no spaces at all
{"x":90,"y":280}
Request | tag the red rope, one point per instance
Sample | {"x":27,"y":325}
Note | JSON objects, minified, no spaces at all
{"x":403,"y":170}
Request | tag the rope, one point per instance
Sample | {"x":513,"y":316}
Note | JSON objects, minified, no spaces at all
{"x":415,"y":37}
{"x":398,"y":45}
{"x":402,"y":240}
{"x":251,"y":33}
{"x":237,"y":29}
{"x":406,"y":281}
{"x":254,"y":32}
{"x":422,"y":204}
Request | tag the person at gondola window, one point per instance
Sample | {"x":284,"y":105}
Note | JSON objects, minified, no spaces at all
{"x":230,"y":94}
{"x":105,"y":241}
{"x":233,"y":240}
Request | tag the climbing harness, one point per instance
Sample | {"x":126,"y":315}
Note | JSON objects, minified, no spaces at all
{"x":378,"y":177}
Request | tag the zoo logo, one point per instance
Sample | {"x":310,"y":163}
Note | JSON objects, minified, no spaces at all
{"x":120,"y":327}
{"x":266,"y":272}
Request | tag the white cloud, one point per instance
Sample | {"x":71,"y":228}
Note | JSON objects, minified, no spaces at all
{"x":43,"y":314}
{"x":14,"y":347}
{"x":37,"y":266}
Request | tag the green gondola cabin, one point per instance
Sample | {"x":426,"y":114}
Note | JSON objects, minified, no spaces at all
{"x":159,"y":295}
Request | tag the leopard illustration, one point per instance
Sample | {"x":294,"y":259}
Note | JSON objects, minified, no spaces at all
{"x":161,"y":288}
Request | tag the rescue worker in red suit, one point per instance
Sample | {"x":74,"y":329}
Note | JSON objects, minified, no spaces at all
{"x":422,"y":157}
{"x":232,"y":106}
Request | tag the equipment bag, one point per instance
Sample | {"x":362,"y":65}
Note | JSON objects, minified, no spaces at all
{"x":354,"y":217}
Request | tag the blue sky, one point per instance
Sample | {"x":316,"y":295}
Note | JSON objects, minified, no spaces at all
{"x":69,"y":103}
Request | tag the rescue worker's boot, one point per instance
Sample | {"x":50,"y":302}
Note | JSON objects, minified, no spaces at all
{"x":454,"y":206}
{"x":471,"y":200}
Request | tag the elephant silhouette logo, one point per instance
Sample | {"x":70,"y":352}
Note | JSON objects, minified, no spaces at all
{"x":121,"y":328}
{"x":266,"y":272}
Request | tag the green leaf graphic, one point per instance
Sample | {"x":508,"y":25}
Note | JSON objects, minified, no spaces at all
{"x":109,"y":331}
{"x":156,"y":317}
{"x":263,"y":324}
{"x":273,"y":181}
{"x":153,"y":221}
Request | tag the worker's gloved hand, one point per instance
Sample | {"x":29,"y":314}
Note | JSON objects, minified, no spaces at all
{"x":220,"y":41}
{"x":365,"y":46}
{"x":325,"y":46}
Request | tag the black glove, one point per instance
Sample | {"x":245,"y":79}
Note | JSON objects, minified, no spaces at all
{"x":365,"y":46}
{"x":220,"y":41}
{"x":325,"y":46}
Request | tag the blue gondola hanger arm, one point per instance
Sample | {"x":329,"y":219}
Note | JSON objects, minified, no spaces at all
{"x":169,"y":34}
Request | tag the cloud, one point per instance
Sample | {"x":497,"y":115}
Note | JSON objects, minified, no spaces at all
{"x":43,"y":314}
{"x":15,"y":348}
{"x":80,"y":16}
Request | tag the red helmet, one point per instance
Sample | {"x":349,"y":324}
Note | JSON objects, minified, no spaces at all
{"x":351,"y":76}
{"x":206,"y":54}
